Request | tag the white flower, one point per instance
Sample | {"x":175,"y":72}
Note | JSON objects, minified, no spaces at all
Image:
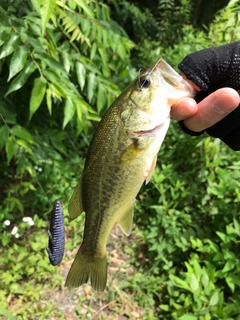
{"x":16,"y":235}
{"x":7,"y":223}
{"x":14,"y":230}
{"x":29,"y":220}
{"x":39,"y":169}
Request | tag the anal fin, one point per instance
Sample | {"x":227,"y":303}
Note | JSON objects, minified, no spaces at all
{"x":126,"y":221}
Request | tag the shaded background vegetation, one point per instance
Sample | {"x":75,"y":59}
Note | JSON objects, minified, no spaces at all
{"x":62,"y":63}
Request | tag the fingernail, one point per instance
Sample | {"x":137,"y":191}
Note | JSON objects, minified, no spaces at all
{"x":217,"y":108}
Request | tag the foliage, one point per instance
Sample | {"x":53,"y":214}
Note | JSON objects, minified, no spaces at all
{"x":192,"y":233}
{"x":49,"y":62}
{"x":61,"y":64}
{"x":50,"y":73}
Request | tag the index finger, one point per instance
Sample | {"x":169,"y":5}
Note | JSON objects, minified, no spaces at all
{"x":213,"y":109}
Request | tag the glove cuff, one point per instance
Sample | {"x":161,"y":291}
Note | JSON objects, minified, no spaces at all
{"x":228,"y":129}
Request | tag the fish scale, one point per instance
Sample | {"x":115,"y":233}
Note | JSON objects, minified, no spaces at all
{"x":56,"y":243}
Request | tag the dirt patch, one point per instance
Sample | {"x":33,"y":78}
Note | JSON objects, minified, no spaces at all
{"x":114,"y":303}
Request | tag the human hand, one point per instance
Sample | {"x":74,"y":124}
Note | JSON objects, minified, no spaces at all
{"x":205,"y":114}
{"x":215,"y":74}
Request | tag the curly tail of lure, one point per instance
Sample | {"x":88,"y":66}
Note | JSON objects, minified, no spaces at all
{"x":56,"y":243}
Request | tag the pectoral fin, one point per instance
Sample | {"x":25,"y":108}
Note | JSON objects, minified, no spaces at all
{"x":75,"y":207}
{"x":126,"y":221}
{"x":149,"y":171}
{"x":129,"y":154}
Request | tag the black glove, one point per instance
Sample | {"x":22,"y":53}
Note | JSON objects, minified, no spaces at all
{"x":212,"y":69}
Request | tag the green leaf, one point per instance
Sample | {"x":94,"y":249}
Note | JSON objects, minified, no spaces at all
{"x":7,"y":314}
{"x":179,"y":282}
{"x":46,"y":10}
{"x":9,"y":46}
{"x":205,"y":280}
{"x":25,"y":145}
{"x":76,"y":35}
{"x":57,"y":91}
{"x":223,"y":236}
{"x":3,"y":136}
{"x":65,"y":88}
{"x":49,"y":100}
{"x":67,"y":62}
{"x":36,"y":5}
{"x":83,"y":4}
{"x":5,"y":240}
{"x":56,"y":140}
{"x":4,"y":35}
{"x":21,"y":132}
{"x":230,"y":283}
{"x":72,"y":5}
{"x":164,"y":307}
{"x":236,"y":227}
{"x":194,"y":283}
{"x":91,"y":86}
{"x":105,"y":66}
{"x":197,"y":267}
{"x":235,"y":278}
{"x":38,"y":92}
{"x":101,"y":98}
{"x":7,"y":112}
{"x":54,"y":65}
{"x":214,"y":299}
{"x":81,"y":74}
{"x":228,"y":266}
{"x":11,"y":148}
{"x":188,"y":316}
{"x":79,"y":109}
{"x":218,"y":256}
{"x":93,"y":50}
{"x":110,"y":98}
{"x":18,"y":61}
{"x":69,"y":111}
{"x":21,"y":79}
{"x":121,"y":50}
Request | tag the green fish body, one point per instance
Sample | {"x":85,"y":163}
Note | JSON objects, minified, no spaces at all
{"x":121,"y":156}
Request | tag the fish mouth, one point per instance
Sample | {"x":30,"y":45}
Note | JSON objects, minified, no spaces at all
{"x":149,"y":132}
{"x":157,"y":130}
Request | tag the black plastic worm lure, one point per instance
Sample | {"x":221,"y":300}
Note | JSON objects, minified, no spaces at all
{"x":56,"y":242}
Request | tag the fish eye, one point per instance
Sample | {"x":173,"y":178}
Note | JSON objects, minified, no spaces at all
{"x":144,"y":83}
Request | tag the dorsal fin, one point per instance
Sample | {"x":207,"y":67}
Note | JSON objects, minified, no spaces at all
{"x":75,"y":207}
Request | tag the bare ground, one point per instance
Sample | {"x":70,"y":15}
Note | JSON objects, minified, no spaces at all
{"x":114,"y":303}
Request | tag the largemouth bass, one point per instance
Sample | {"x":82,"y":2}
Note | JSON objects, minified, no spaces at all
{"x":121,"y":156}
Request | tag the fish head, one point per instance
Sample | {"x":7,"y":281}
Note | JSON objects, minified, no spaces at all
{"x":148,"y":100}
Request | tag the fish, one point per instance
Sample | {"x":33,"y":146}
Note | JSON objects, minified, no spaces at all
{"x":122,"y":155}
{"x":56,"y":242}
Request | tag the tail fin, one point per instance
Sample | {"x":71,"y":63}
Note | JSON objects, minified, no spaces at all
{"x":86,"y":268}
